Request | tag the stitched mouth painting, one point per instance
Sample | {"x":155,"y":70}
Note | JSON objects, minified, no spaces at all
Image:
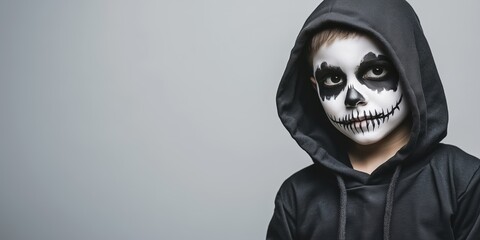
{"x":361,"y":122}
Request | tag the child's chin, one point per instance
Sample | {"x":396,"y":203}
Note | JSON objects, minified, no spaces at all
{"x":368,"y":138}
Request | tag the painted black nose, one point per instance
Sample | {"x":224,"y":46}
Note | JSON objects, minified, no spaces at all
{"x":354,"y":98}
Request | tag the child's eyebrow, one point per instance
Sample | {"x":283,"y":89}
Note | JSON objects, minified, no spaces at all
{"x":371,"y":58}
{"x":325,"y":67}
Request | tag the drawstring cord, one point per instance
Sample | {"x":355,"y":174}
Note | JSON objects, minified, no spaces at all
{"x":387,"y":218}
{"x":343,"y":209}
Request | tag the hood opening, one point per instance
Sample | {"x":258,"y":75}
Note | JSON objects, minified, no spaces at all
{"x":302,"y":114}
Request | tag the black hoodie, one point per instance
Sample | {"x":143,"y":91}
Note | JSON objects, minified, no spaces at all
{"x":427,"y":191}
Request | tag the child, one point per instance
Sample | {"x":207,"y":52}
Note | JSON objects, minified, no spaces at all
{"x":362,"y":96}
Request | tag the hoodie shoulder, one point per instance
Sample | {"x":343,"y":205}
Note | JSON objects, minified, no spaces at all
{"x":287,"y":194}
{"x":312,"y":173}
{"x":311,"y":179}
{"x":456,"y":165}
{"x":299,"y":177}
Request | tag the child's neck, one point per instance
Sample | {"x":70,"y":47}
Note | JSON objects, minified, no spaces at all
{"x":367,"y":158}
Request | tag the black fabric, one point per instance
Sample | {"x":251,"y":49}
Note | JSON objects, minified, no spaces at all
{"x":387,"y":219}
{"x":343,"y":209}
{"x":434,"y":196}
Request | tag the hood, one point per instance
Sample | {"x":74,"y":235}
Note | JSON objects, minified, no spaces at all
{"x":394,"y":24}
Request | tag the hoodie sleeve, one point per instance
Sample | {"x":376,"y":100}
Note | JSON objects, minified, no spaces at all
{"x":282,"y":225}
{"x":466,"y":224}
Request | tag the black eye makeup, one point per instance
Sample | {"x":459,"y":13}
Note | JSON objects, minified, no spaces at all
{"x":377,"y":73}
{"x":375,"y":70}
{"x":331,"y":80}
{"x":329,"y":76}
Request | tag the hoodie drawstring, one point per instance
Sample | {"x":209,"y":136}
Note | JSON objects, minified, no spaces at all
{"x":387,"y":218}
{"x":343,"y":208}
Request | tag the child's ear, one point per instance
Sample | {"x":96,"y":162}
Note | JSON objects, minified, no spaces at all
{"x":314,"y":83}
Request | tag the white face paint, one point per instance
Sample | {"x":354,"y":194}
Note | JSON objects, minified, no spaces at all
{"x":358,"y":88}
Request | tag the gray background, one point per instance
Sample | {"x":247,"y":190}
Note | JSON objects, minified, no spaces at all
{"x":157,"y":119}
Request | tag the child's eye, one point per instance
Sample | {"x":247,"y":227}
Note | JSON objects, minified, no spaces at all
{"x":333,"y":80}
{"x":375,"y":73}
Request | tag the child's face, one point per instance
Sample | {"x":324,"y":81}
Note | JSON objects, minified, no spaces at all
{"x":358,"y":88}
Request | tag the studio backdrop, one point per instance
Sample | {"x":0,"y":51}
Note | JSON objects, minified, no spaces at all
{"x":157,"y":119}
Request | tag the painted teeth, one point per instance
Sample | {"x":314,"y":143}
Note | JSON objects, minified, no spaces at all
{"x":350,"y":121}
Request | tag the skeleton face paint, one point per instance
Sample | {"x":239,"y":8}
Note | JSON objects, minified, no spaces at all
{"x":358,"y":88}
